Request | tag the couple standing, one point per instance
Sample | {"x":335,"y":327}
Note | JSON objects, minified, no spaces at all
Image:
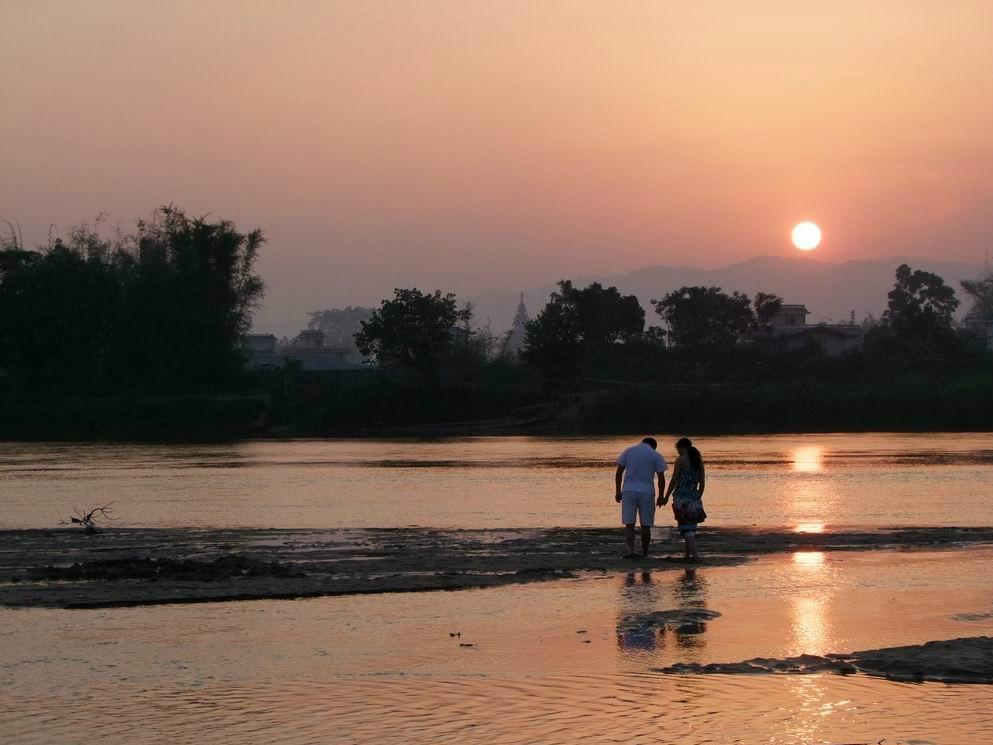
{"x":637,"y":468}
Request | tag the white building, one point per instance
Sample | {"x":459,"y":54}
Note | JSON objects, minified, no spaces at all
{"x":790,"y":316}
{"x":308,"y":348}
{"x":260,"y":349}
{"x":789,"y":327}
{"x":981,"y":327}
{"x":310,"y":351}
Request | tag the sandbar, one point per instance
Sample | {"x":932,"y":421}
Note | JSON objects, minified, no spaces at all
{"x":63,"y":568}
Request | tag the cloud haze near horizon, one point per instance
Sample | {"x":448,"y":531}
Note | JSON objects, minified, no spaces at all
{"x":495,"y":145}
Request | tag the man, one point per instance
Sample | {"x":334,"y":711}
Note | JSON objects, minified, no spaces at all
{"x":637,"y":466}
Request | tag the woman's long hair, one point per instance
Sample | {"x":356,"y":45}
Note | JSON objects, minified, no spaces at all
{"x":696,"y":460}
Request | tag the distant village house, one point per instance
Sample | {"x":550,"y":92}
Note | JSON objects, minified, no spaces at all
{"x":308,"y":348}
{"x":789,"y":328}
{"x":260,"y":351}
{"x":982,"y":327}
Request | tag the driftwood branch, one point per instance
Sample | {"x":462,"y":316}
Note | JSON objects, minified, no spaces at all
{"x":88,"y":518}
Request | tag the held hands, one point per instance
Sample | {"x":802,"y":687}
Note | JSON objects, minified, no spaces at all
{"x":661,"y":501}
{"x":617,"y":497}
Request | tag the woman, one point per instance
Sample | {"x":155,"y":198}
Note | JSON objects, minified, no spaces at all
{"x":688,"y":483}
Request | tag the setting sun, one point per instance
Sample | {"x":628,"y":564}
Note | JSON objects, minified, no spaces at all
{"x":806,"y":236}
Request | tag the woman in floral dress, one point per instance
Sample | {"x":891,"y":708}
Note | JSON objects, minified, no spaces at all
{"x":687,"y":482}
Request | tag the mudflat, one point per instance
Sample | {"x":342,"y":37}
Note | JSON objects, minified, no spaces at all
{"x":963,"y":660}
{"x":64,"y":568}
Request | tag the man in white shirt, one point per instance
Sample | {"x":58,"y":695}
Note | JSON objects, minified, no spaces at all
{"x":638,"y":466}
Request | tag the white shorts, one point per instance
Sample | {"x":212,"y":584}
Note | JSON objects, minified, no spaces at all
{"x":633,"y":502}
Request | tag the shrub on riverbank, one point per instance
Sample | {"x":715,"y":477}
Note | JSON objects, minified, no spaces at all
{"x":378,"y":404}
{"x":912,"y":403}
{"x":382,"y":404}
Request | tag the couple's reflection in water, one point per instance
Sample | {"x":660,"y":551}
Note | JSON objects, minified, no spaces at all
{"x":659,"y":611}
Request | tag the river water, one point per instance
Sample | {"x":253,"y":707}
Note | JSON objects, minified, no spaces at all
{"x":551,"y":662}
{"x":802,"y":481}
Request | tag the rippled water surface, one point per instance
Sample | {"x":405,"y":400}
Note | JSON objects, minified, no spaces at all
{"x":807,"y":481}
{"x":559,"y":662}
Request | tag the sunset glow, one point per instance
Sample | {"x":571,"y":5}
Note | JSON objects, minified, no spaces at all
{"x":476,"y":146}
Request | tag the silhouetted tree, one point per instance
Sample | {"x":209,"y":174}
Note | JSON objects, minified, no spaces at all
{"x":765,"y":306}
{"x":919,"y":315}
{"x":553,"y":340}
{"x":919,"y":302}
{"x":700,"y":318}
{"x":980,"y":292}
{"x":575,"y":323}
{"x":413,"y":330}
{"x":604,"y":315}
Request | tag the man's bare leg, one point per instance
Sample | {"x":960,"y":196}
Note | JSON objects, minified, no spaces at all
{"x":629,"y":537}
{"x":646,"y":537}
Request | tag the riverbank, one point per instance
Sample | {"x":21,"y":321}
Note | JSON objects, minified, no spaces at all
{"x":381,"y":405}
{"x":122,"y":567}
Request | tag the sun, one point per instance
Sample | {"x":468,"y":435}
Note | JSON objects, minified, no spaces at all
{"x":806,"y":236}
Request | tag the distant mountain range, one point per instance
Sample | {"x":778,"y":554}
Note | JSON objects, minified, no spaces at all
{"x":830,"y":291}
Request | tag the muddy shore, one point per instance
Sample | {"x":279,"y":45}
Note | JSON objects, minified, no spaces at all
{"x":63,"y":568}
{"x":964,"y":660}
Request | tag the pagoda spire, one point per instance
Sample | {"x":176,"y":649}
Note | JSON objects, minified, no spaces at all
{"x":514,"y":342}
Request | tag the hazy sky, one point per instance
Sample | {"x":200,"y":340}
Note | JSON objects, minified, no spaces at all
{"x":474,"y":145}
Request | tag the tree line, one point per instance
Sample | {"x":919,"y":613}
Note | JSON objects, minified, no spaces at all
{"x":596,"y":329}
{"x":708,"y":362}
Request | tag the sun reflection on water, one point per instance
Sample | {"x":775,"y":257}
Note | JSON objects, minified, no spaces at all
{"x":809,"y":610}
{"x":808,"y":459}
{"x":809,"y":501}
{"x":810,"y":630}
{"x":808,"y":558}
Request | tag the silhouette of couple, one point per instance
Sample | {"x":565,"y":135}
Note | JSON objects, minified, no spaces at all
{"x":637,"y":468}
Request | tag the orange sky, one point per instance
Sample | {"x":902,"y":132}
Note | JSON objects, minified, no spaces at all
{"x":474,"y":145}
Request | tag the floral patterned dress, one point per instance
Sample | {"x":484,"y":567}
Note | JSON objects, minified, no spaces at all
{"x":687,"y":505}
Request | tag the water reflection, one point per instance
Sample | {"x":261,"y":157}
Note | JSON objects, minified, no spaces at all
{"x":690,"y":593}
{"x":808,"y":459}
{"x":639,"y":596}
{"x":808,"y":558}
{"x":809,"y":608}
{"x":645,"y":624}
{"x":810,"y":499}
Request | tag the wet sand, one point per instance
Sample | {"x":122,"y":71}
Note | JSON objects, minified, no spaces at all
{"x":122,"y":567}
